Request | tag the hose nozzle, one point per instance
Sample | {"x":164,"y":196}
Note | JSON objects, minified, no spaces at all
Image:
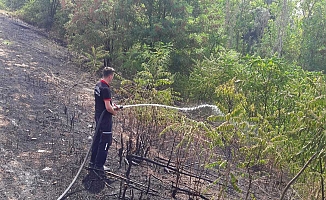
{"x":118,"y":107}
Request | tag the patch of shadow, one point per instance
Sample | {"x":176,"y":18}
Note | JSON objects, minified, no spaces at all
{"x":92,"y":183}
{"x":21,"y":26}
{"x":39,"y":32}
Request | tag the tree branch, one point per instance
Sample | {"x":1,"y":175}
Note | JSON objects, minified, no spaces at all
{"x":297,"y":176}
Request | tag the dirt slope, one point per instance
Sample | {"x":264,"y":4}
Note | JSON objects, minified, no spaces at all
{"x":45,"y":110}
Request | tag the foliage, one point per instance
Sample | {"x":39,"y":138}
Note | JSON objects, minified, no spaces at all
{"x":313,"y":45}
{"x":95,"y":57}
{"x":274,"y":115}
{"x":211,"y":72}
{"x":2,"y":5}
{"x":235,"y":54}
{"x":131,"y":61}
{"x":99,"y":23}
{"x":39,"y":12}
{"x":61,"y":17}
{"x":82,"y":32}
{"x":120,"y":26}
{"x":33,"y":12}
{"x":153,"y":81}
{"x":195,"y":28}
{"x":14,"y":5}
{"x":200,"y":34}
{"x":274,"y":111}
{"x":151,"y":84}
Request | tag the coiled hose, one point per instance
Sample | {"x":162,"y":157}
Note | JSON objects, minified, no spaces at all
{"x":85,"y":159}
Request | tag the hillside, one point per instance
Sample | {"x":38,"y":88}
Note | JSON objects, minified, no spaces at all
{"x":46,"y":118}
{"x":45,"y":110}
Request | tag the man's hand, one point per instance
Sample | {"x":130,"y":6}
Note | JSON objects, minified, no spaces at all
{"x":117,"y":107}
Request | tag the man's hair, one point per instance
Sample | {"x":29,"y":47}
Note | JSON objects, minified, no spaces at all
{"x":108,"y":71}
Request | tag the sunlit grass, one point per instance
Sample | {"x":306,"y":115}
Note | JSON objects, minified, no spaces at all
{"x":7,"y":42}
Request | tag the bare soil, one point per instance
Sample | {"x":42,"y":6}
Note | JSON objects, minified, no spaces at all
{"x":46,"y":109}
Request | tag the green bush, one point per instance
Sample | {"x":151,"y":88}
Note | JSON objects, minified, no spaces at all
{"x":2,"y":5}
{"x":33,"y":12}
{"x":13,"y":4}
{"x":210,"y":73}
{"x":58,"y":29}
{"x":41,"y":13}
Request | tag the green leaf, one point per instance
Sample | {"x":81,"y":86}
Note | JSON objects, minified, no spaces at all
{"x":234,"y":182}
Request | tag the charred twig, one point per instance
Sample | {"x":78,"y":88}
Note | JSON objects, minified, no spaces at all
{"x":193,"y":193}
{"x":172,"y":164}
{"x":129,"y":166}
{"x":298,"y":174}
{"x":120,"y":152}
{"x":174,"y":139}
{"x":128,"y":181}
{"x":124,"y":191}
{"x":148,"y":185}
{"x":101,"y":178}
{"x":175,"y":169}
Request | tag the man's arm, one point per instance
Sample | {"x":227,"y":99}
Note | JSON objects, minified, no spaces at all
{"x":109,"y":107}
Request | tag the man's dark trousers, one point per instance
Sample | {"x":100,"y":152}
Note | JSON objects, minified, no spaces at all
{"x":102,"y":142}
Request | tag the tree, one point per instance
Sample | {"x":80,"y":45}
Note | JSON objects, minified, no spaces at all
{"x":100,"y":23}
{"x":151,"y":83}
{"x":210,"y":73}
{"x":14,"y":4}
{"x":313,"y":46}
{"x":2,"y":5}
{"x":40,"y":12}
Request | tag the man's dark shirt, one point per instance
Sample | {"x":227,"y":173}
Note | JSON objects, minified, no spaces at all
{"x":102,"y":93}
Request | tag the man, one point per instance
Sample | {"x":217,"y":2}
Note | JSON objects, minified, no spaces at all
{"x":103,"y":138}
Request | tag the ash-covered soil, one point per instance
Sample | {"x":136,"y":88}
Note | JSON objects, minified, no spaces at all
{"x":46,"y":110}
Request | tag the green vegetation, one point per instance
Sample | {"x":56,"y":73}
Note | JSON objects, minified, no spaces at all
{"x":7,"y":42}
{"x":249,"y":58}
{"x":2,"y":5}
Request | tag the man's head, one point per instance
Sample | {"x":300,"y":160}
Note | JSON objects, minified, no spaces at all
{"x":108,"y":74}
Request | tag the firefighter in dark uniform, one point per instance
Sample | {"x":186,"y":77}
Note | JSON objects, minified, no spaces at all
{"x":103,"y":101}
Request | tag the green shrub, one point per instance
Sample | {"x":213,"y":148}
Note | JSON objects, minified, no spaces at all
{"x":2,"y":5}
{"x":33,"y":12}
{"x":13,"y":4}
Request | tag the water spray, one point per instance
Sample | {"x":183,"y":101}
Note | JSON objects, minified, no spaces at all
{"x":214,"y":108}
